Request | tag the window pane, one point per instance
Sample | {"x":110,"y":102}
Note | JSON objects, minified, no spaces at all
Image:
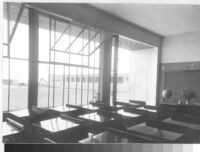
{"x":58,"y":97}
{"x":20,"y":43}
{"x":5,"y":34}
{"x":72,"y":87}
{"x":85,"y":85}
{"x":43,"y":44}
{"x":61,"y":57}
{"x":19,"y":84}
{"x":5,"y":50}
{"x":43,"y":85}
{"x":5,"y":84}
{"x":137,"y":68}
{"x":66,"y":84}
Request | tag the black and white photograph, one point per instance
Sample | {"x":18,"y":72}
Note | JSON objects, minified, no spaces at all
{"x":100,"y":73}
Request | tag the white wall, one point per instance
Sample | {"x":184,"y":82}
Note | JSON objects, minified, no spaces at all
{"x":181,"y":48}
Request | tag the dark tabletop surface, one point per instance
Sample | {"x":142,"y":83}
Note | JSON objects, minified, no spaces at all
{"x":94,"y":116}
{"x":127,"y":114}
{"x":185,"y":124}
{"x":9,"y":129}
{"x":26,"y":112}
{"x":56,"y":124}
{"x":106,"y":137}
{"x":154,"y":132}
{"x":149,"y":110}
{"x":90,"y":107}
{"x":62,"y":109}
{"x":21,"y":113}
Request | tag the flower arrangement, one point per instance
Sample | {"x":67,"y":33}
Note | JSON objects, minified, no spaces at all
{"x":186,"y":94}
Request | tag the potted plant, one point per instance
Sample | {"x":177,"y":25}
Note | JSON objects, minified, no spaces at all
{"x":185,"y":95}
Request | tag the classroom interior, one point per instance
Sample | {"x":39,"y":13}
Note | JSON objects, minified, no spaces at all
{"x":100,"y":73}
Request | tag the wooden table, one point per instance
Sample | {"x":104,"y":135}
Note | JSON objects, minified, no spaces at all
{"x":62,"y":109}
{"x":9,"y":129}
{"x":163,"y":135}
{"x":96,"y":117}
{"x":11,"y":134}
{"x":83,"y":107}
{"x":106,"y":137}
{"x":149,"y":110}
{"x":59,"y":130}
{"x":185,"y":124}
{"x":99,"y":121}
{"x":31,"y":116}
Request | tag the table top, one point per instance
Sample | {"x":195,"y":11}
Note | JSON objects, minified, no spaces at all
{"x":155,"y":132}
{"x":8,"y":129}
{"x":150,"y":110}
{"x":21,"y":113}
{"x":63,"y":109}
{"x":181,"y":123}
{"x":26,"y":112}
{"x":56,"y":124}
{"x":127,"y":114}
{"x":94,"y":116}
{"x":90,"y":107}
{"x":106,"y":137}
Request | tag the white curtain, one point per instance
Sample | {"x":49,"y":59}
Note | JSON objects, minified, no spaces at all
{"x":143,"y":75}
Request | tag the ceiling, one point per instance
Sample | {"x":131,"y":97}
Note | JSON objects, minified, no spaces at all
{"x":163,"y":19}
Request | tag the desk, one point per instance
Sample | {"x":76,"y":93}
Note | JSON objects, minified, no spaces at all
{"x":21,"y":113}
{"x":62,"y":109}
{"x":157,"y":133}
{"x":9,"y":129}
{"x":149,"y":110}
{"x":83,"y":107}
{"x":127,"y":114}
{"x":90,"y":107}
{"x":60,"y":130}
{"x":35,"y":115}
{"x":106,"y":137}
{"x":56,"y":124}
{"x":185,"y":124}
{"x":97,"y":117}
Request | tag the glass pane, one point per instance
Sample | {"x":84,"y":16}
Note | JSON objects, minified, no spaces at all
{"x":123,"y":71}
{"x":72,"y":85}
{"x":79,"y":86}
{"x":58,"y":97}
{"x":63,"y":43}
{"x":75,"y":59}
{"x":66,"y":84}
{"x":43,"y":44}
{"x":5,"y":84}
{"x":91,"y":84}
{"x":61,"y":57}
{"x":85,"y":86}
{"x":43,"y":76}
{"x":5,"y":34}
{"x":5,"y":50}
{"x":18,"y":85}
{"x":20,"y":43}
{"x":137,"y":75}
{"x":51,"y":85}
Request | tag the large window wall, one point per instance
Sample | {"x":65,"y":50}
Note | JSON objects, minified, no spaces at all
{"x":136,"y":71}
{"x":15,"y":57}
{"x":68,"y":62}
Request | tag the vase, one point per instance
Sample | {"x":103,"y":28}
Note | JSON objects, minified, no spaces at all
{"x":183,"y":102}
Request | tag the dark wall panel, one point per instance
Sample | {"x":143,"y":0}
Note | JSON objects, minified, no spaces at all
{"x":177,"y":80}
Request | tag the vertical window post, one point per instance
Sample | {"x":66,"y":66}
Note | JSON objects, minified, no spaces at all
{"x":105,"y":67}
{"x":33,"y":56}
{"x":115,"y":74}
